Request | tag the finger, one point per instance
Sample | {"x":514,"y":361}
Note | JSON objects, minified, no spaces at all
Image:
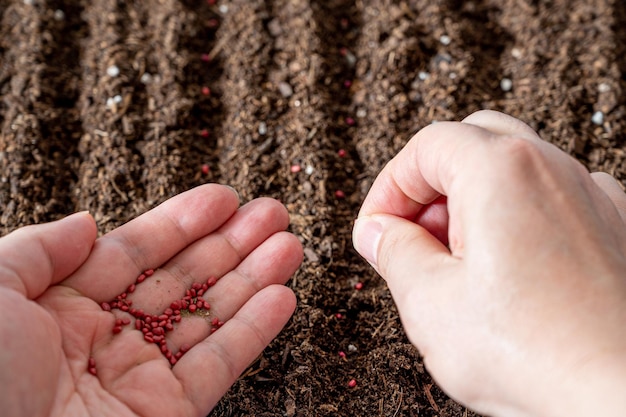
{"x":613,"y":190}
{"x":215,"y":255}
{"x":152,"y":239}
{"x":35,"y":257}
{"x":209,"y":369}
{"x":501,"y":124}
{"x":407,"y":183}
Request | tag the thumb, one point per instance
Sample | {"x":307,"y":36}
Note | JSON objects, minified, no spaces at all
{"x":405,"y":254}
{"x":34,"y":257}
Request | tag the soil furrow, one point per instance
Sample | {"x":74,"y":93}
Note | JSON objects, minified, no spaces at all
{"x":392,"y":72}
{"x":110,"y":164}
{"x":245,"y":144}
{"x":27,"y":162}
{"x":197,"y":72}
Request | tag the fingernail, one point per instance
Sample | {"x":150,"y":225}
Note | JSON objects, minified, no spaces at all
{"x":366,"y":236}
{"x":233,"y":190}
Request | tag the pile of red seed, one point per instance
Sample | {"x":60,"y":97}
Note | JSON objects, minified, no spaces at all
{"x":155,"y":327}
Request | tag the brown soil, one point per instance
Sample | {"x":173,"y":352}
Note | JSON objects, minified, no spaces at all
{"x":278,"y":96}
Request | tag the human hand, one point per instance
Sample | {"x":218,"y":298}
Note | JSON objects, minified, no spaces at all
{"x":507,"y":262}
{"x":53,"y":278}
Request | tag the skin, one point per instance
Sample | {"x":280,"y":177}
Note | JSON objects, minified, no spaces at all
{"x":54,"y":276}
{"x":507,"y":262}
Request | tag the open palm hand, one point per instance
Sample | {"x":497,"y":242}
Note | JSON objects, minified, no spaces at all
{"x":54,"y":278}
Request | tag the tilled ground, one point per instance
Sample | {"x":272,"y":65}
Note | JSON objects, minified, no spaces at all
{"x":113,"y":106}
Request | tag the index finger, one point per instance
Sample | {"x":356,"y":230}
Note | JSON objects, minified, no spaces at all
{"x":152,"y":239}
{"x":423,"y":170}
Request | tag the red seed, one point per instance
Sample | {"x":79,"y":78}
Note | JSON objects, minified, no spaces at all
{"x":154,"y":324}
{"x":205,"y":57}
{"x":204,"y":286}
{"x":164,"y":317}
{"x":106,"y":306}
{"x":162,"y":323}
{"x":205,"y":169}
{"x":178,"y":355}
{"x":295,"y":168}
{"x":352,"y":383}
{"x":211,"y":281}
{"x":200,"y":292}
{"x":149,"y":272}
{"x":175,"y":305}
{"x":131,"y":288}
{"x":169,"y":326}
{"x":347,"y":83}
{"x":118,"y":322}
{"x":138,"y":324}
{"x":117,"y":329}
{"x":148,"y":338}
{"x":340,"y":194}
{"x":158,"y":332}
{"x":192,"y":308}
{"x":184,"y":347}
{"x":92,"y":362}
{"x":200,"y":304}
{"x":148,"y":319}
{"x":341,"y":153}
{"x":157,"y":338}
{"x":124,"y":307}
{"x":92,"y":370}
{"x":358,"y":286}
{"x":167,"y":353}
{"x":184,"y":304}
{"x":350,"y":121}
{"x":207,"y":306}
{"x":168,"y":312}
{"x":206,"y":91}
{"x":113,"y":305}
{"x":140,"y":313}
{"x":339,"y":316}
{"x":176,"y":312}
{"x":215,"y":321}
{"x":177,"y":318}
{"x":342,"y":354}
{"x":196,"y":286}
{"x":126,"y":321}
{"x":212,"y":23}
{"x":173,"y":360}
{"x":141,"y":278}
{"x":204,"y":133}
{"x":145,"y":330}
